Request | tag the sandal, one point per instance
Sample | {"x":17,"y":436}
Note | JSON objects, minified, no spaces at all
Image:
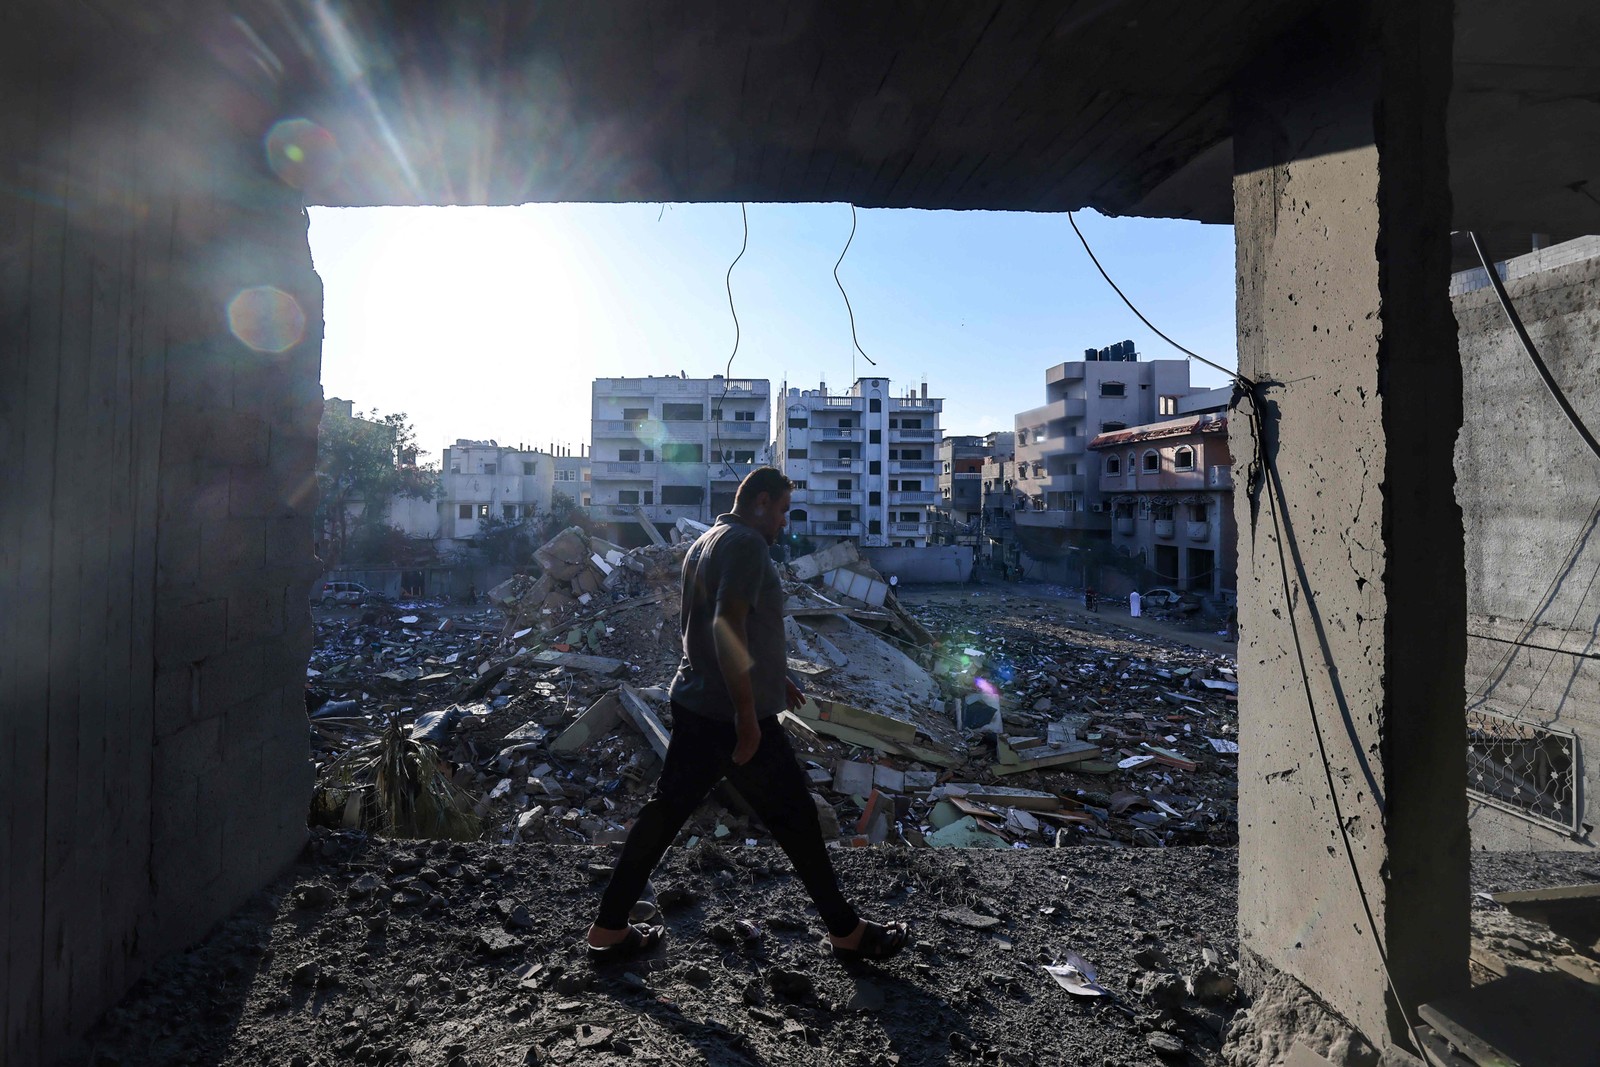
{"x":879,"y":941}
{"x":640,"y":939}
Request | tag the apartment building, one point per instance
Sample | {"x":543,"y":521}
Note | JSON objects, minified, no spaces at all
{"x":670,"y":448}
{"x":865,"y":463}
{"x":1169,"y":490}
{"x":1110,"y":389}
{"x":486,"y":480}
{"x":961,"y":476}
{"x":573,"y":474}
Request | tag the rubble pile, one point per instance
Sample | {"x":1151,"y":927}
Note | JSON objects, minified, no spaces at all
{"x":984,"y":721}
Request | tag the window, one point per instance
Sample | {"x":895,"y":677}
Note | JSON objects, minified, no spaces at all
{"x":744,"y":416}
{"x":528,"y":466}
{"x":1111,"y":427}
{"x":875,"y":437}
{"x":796,"y":453}
{"x":455,"y":468}
{"x":875,"y":467}
{"x":464,"y":511}
{"x":1527,"y":769}
{"x":798,"y":483}
{"x":911,"y":485}
{"x":1072,"y":468}
{"x":874,"y":404}
{"x":1152,"y":462}
{"x":894,"y":484}
{"x":797,"y":515}
{"x":716,"y":414}
{"x":635,"y":414}
{"x":683,"y":412}
{"x":1113,"y":389}
{"x":911,"y":424}
{"x":488,"y":468}
{"x":1161,"y":512}
{"x":1113,"y":465}
{"x":842,"y":515}
{"x":843,"y":483}
{"x":894,"y":424}
{"x":683,"y":494}
{"x":683,"y":453}
{"x":875,"y":526}
{"x":847,"y":423}
{"x":947,"y":466}
{"x":627,"y":496}
{"x":483,"y":511}
{"x":1167,"y":405}
{"x":627,"y":455}
{"x":875,"y":498}
{"x":1183,"y":459}
{"x":1199,"y":512}
{"x":508,"y":512}
{"x":649,"y":496}
{"x":799,"y":422}
{"x":744,"y":455}
{"x":910,"y":516}
{"x":894,"y":453}
{"x":911,"y":453}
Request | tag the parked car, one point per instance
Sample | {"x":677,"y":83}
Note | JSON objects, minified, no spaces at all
{"x":1161,"y":597}
{"x":344,"y":592}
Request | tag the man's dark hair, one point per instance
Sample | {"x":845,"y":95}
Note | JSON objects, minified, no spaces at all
{"x":769,"y":480}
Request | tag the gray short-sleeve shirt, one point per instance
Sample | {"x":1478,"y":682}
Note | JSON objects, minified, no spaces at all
{"x":729,"y":562}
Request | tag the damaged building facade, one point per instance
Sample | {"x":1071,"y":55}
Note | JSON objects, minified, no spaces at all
{"x":162,"y":310}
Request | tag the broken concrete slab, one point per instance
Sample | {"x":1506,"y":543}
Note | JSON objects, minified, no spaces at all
{"x":577,"y":661}
{"x":816,"y":564}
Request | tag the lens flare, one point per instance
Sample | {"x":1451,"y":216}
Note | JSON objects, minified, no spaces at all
{"x":266,"y":319}
{"x":303,"y":154}
{"x":986,"y":687}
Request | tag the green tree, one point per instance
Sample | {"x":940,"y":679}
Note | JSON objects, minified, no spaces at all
{"x":365,"y":460}
{"x":564,"y":512}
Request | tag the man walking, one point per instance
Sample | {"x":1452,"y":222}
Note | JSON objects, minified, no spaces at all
{"x":731,"y":684}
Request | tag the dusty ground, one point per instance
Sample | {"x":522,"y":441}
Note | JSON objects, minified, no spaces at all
{"x":376,"y":952}
{"x":404,"y":952}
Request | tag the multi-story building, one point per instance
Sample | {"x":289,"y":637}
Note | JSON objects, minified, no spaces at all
{"x":670,"y":448}
{"x":486,"y":480}
{"x":1169,"y":486}
{"x":960,"y":479}
{"x":865,"y":464}
{"x":997,"y":500}
{"x":573,"y":473}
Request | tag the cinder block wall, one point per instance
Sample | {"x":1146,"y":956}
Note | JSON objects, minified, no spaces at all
{"x":1527,"y":484}
{"x":155,"y":532}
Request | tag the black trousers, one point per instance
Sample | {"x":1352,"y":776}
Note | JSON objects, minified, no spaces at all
{"x":699,"y":756}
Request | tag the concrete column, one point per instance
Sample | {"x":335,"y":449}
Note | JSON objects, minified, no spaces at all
{"x":1351,"y":584}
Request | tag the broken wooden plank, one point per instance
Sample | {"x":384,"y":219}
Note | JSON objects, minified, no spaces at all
{"x":909,"y":749}
{"x":860,"y":718}
{"x":1055,"y":757}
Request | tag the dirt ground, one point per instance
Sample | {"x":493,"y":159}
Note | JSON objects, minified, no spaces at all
{"x":369,"y":951}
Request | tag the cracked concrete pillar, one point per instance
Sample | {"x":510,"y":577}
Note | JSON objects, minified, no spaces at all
{"x":1351,"y":584}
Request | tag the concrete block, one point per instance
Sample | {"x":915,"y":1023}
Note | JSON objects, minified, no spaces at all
{"x":186,"y":632}
{"x":217,"y":435}
{"x":231,"y":546}
{"x":177,"y":698}
{"x":193,"y":491}
{"x":178,"y":758}
{"x":253,"y":611}
{"x":257,"y":493}
{"x":248,"y":726}
{"x":233,"y":678}
{"x":178,"y":553}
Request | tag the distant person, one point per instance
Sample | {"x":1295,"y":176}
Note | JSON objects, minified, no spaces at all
{"x":1090,"y":601}
{"x":732,"y":682}
{"x":472,"y":594}
{"x":1135,"y":603}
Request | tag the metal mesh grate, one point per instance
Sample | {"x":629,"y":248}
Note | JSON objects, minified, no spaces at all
{"x":1523,"y":767}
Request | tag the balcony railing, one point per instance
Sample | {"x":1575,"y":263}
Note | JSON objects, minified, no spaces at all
{"x":852,"y":466}
{"x":835,"y":433}
{"x":912,"y":466}
{"x":731,"y":472}
{"x":1165,"y":528}
{"x":840,"y":496}
{"x":913,"y":435}
{"x":913,"y":497}
{"x":1124,"y":524}
{"x":907,"y":527}
{"x":852,"y":403}
{"x":619,"y":427}
{"x":845,"y":529}
{"x":615,"y":467}
{"x":739,"y":427}
{"x":1199,"y":531}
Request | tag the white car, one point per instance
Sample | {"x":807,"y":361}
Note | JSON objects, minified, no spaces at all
{"x":1162,"y":597}
{"x":344,"y":592}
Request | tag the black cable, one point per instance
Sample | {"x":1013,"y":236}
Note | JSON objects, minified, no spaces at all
{"x":1528,"y":346}
{"x":727,"y":381}
{"x":850,"y":310}
{"x":1235,"y":375}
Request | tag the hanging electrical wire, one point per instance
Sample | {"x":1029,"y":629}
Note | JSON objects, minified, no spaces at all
{"x":850,"y":310}
{"x":727,"y":371}
{"x":1235,"y":375}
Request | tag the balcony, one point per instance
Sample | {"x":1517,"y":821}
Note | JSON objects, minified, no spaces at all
{"x":903,"y":434}
{"x":1219,"y":477}
{"x":617,"y":469}
{"x":912,"y":528}
{"x":731,"y":472}
{"x":843,"y":466}
{"x":628,"y":428}
{"x":913,"y":466}
{"x":837,"y":529}
{"x":739,"y":428}
{"x":1198,"y":531}
{"x":1166,"y":528}
{"x":845,"y":403}
{"x":819,"y":434}
{"x":1063,"y":520}
{"x":1124,"y":524}
{"x":915,"y":403}
{"x":1064,"y":372}
{"x":737,"y":387}
{"x":913,"y":497}
{"x":834,"y":496}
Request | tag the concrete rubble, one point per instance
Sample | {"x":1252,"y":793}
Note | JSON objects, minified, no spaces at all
{"x":969,"y":727}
